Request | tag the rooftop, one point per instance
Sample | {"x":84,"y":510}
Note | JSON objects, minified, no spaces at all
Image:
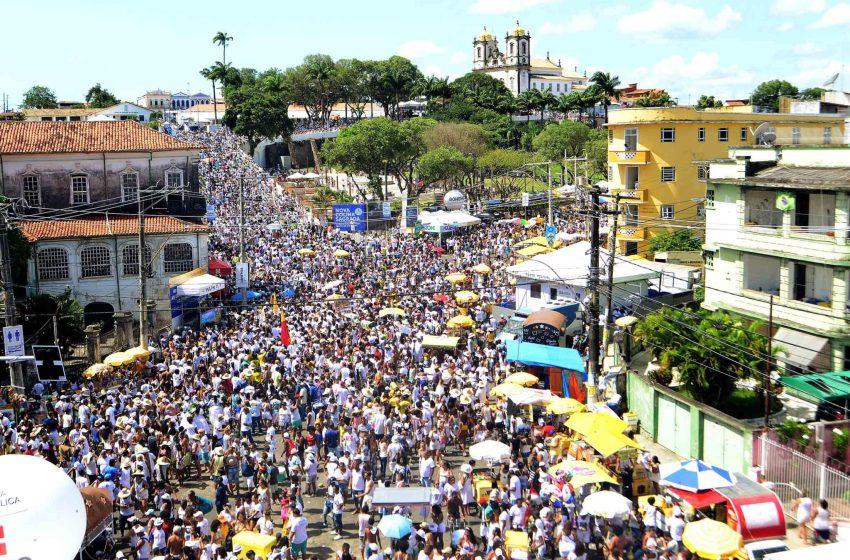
{"x":794,"y":175}
{"x":105,"y":227}
{"x":46,"y":137}
{"x":206,"y":107}
{"x":69,"y":112}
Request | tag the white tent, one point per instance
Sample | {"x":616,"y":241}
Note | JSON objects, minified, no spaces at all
{"x":202,"y":285}
{"x":441,"y":218}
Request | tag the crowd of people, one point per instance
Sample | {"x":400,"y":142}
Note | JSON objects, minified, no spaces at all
{"x":285,"y":416}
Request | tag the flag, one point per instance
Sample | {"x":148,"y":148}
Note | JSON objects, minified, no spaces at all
{"x":284,"y":332}
{"x":274,"y":304}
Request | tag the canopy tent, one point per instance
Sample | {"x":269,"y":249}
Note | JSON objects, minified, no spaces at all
{"x":802,"y":349}
{"x":544,"y":356}
{"x":539,"y":240}
{"x":431,"y":341}
{"x":219,"y":267}
{"x":202,"y":285}
{"x":393,"y":497}
{"x":446,"y":221}
{"x":533,"y":250}
{"x":820,"y":385}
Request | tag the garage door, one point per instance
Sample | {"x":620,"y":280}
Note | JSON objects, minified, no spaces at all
{"x":722,"y":446}
{"x":674,"y":426}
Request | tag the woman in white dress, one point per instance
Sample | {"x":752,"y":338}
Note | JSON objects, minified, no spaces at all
{"x":804,"y":514}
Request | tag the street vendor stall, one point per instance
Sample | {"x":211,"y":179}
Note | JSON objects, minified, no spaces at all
{"x":566,"y":361}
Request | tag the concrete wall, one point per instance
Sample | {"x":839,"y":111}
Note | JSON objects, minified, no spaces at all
{"x":689,"y":428}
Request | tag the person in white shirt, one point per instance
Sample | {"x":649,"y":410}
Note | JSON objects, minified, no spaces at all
{"x":265,"y":526}
{"x":297,"y":525}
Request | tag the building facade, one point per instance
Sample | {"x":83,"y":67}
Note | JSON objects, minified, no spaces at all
{"x":658,"y":160}
{"x":155,"y":100}
{"x":777,"y":244}
{"x":119,"y":112}
{"x":182,"y":100}
{"x":96,"y":165}
{"x":98,"y":258}
{"x":516,"y":68}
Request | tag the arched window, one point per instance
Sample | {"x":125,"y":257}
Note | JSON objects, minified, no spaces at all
{"x":511,"y":48}
{"x":479,"y":52}
{"x":130,"y":260}
{"x":522,"y":46}
{"x":95,"y":262}
{"x":177,"y":257}
{"x":53,"y":264}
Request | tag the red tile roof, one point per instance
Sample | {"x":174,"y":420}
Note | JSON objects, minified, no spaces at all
{"x":46,"y":137}
{"x":41,"y":230}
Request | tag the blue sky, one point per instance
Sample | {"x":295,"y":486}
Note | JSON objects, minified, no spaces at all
{"x":688,"y":47}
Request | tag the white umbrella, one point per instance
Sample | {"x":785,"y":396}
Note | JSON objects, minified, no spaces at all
{"x":331,"y":285}
{"x":490,"y":450}
{"x":606,"y":503}
{"x":296,"y":175}
{"x":311,"y":175}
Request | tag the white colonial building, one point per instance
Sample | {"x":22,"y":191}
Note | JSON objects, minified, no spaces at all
{"x":124,"y":111}
{"x":516,"y":68}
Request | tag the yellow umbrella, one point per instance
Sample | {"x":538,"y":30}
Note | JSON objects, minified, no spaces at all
{"x":466,"y":296}
{"x":398,"y":312}
{"x":607,"y":443}
{"x":307,"y":252}
{"x":564,"y":406}
{"x":505,"y":389}
{"x":334,"y":297}
{"x":461,"y":322}
{"x":708,"y":538}
{"x":589,"y":422}
{"x":138,"y":352}
{"x":522,"y":378}
{"x":96,"y":369}
{"x":456,"y":277}
{"x":532,"y":250}
{"x":482,"y":269}
{"x":583,"y":472}
{"x":341,"y":253}
{"x":118,"y":359}
{"x":539,"y":240}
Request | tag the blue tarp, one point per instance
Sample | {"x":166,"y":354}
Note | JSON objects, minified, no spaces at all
{"x":544,"y":356}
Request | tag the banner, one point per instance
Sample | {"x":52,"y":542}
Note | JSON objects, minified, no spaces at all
{"x":411,"y":216}
{"x":350,"y":217}
{"x":242,"y":275}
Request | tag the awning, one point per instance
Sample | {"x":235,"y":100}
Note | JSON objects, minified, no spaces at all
{"x":544,"y":356}
{"x":201,"y":285}
{"x":430,"y":341}
{"x":802,"y":349}
{"x":697,"y":499}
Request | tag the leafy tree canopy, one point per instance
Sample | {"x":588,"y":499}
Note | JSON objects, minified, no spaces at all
{"x":559,"y":140}
{"x":444,"y":164}
{"x":258,"y":113}
{"x":99,"y":97}
{"x":39,"y":97}
{"x":811,"y":94}
{"x":679,"y":240}
{"x":767,"y":93}
{"x":466,"y":137}
{"x":655,"y":100}
{"x":708,"y":102}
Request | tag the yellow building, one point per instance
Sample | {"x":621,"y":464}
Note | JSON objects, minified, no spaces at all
{"x":658,"y":160}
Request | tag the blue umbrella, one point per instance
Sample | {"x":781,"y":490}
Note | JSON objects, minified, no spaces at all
{"x":289,"y":293}
{"x":251,"y":295}
{"x":395,"y":526}
{"x":456,"y":535}
{"x":694,"y":475}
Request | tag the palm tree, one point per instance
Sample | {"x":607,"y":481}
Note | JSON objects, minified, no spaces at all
{"x":211,"y":74}
{"x":607,"y":85}
{"x":545,"y":100}
{"x":527,"y":101}
{"x":220,"y":72}
{"x":221,"y":39}
{"x":565,"y":103}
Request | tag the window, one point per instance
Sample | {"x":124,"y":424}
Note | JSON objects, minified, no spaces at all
{"x":130,"y":258}
{"x":535,"y":290}
{"x":709,"y":198}
{"x":667,"y":212}
{"x":812,"y":284}
{"x":701,"y":210}
{"x":701,"y":134}
{"x":129,"y":186}
{"x":173,"y":178}
{"x":668,"y":134}
{"x":760,"y":209}
{"x":53,"y":264}
{"x":75,"y":118}
{"x":709,"y":259}
{"x":177,"y":257}
{"x":610,"y":135}
{"x":761,"y":274}
{"x":702,"y":172}
{"x":94,"y":262}
{"x":827,"y":135}
{"x":723,"y":134}
{"x":553,"y":293}
{"x":630,"y":138}
{"x":795,"y":135}
{"x":79,"y":189}
{"x":743,"y":134}
{"x":511,"y":48}
{"x":668,"y":174}
{"x":32,"y":190}
{"x":479,"y":52}
{"x":522,"y":46}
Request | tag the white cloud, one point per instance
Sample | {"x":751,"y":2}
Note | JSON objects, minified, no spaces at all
{"x":506,"y":6}
{"x":785,"y":26}
{"x":615,"y":10}
{"x":836,"y":15}
{"x":419,"y":49}
{"x":460,"y":58}
{"x":576,"y":23}
{"x":808,"y":49}
{"x":703,"y":74}
{"x":664,"y":20}
{"x":433,"y":70}
{"x":815,"y":71}
{"x":797,"y":7}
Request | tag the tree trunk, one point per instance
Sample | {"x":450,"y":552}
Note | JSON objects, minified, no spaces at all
{"x":215,"y":104}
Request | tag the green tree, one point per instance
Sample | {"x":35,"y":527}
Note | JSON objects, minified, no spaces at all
{"x":497,"y":168}
{"x":482,"y":90}
{"x":99,"y":97}
{"x":526,"y":102}
{"x":467,"y":137}
{"x":392,"y":81}
{"x":444,"y":165}
{"x":315,"y":85}
{"x":596,"y":152}
{"x":767,"y":93}
{"x":679,"y":240}
{"x":607,"y":85}
{"x":39,"y":97}
{"x":566,"y":139}
{"x":409,"y":150}
{"x":256,"y":112}
{"x":222,"y":39}
{"x":812,"y":94}
{"x":37,"y":312}
{"x":655,"y":99}
{"x":211,"y":75}
{"x":353,"y":84}
{"x":708,"y":102}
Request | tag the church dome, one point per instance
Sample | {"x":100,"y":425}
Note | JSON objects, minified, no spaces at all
{"x":518,"y":31}
{"x":485,"y":36}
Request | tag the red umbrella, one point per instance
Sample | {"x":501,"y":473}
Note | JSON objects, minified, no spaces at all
{"x":439,"y":249}
{"x":442,"y":298}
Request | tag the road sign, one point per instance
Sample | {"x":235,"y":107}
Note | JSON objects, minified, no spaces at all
{"x":210,"y":213}
{"x":550,"y":239}
{"x":551,"y":230}
{"x":48,"y":363}
{"x":13,"y":337}
{"x":526,"y":198}
{"x":387,"y":210}
{"x":243,"y":275}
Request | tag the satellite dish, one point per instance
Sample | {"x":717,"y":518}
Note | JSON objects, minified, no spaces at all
{"x":830,"y":82}
{"x":41,"y":510}
{"x":764,"y":134}
{"x":768,"y":138}
{"x":760,"y":129}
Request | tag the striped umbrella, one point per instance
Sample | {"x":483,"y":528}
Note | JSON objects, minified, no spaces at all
{"x":694,"y":475}
{"x":708,"y":538}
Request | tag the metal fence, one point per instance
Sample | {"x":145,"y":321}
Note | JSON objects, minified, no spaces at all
{"x":793,"y":472}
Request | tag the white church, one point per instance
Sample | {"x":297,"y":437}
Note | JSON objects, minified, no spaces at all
{"x":518,"y":70}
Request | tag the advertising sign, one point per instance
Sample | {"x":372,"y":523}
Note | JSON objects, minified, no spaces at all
{"x":242,"y":275}
{"x":350,"y":217}
{"x":411,"y":216}
{"x":387,"y":210}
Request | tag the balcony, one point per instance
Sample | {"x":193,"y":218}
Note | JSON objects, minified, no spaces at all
{"x":631,"y":233}
{"x":629,"y":157}
{"x":629,"y":196}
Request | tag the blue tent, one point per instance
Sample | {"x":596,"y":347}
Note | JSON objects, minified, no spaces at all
{"x":545,"y":356}
{"x":251,"y":295}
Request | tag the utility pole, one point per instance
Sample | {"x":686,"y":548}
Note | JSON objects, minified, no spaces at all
{"x":768,"y":366}
{"x":612,"y":251}
{"x":551,"y":217}
{"x":143,"y":276}
{"x":17,"y":376}
{"x":242,"y":236}
{"x":593,"y":291}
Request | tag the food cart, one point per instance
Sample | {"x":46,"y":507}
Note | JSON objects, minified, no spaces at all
{"x":747,"y":507}
{"x":261,"y":545}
